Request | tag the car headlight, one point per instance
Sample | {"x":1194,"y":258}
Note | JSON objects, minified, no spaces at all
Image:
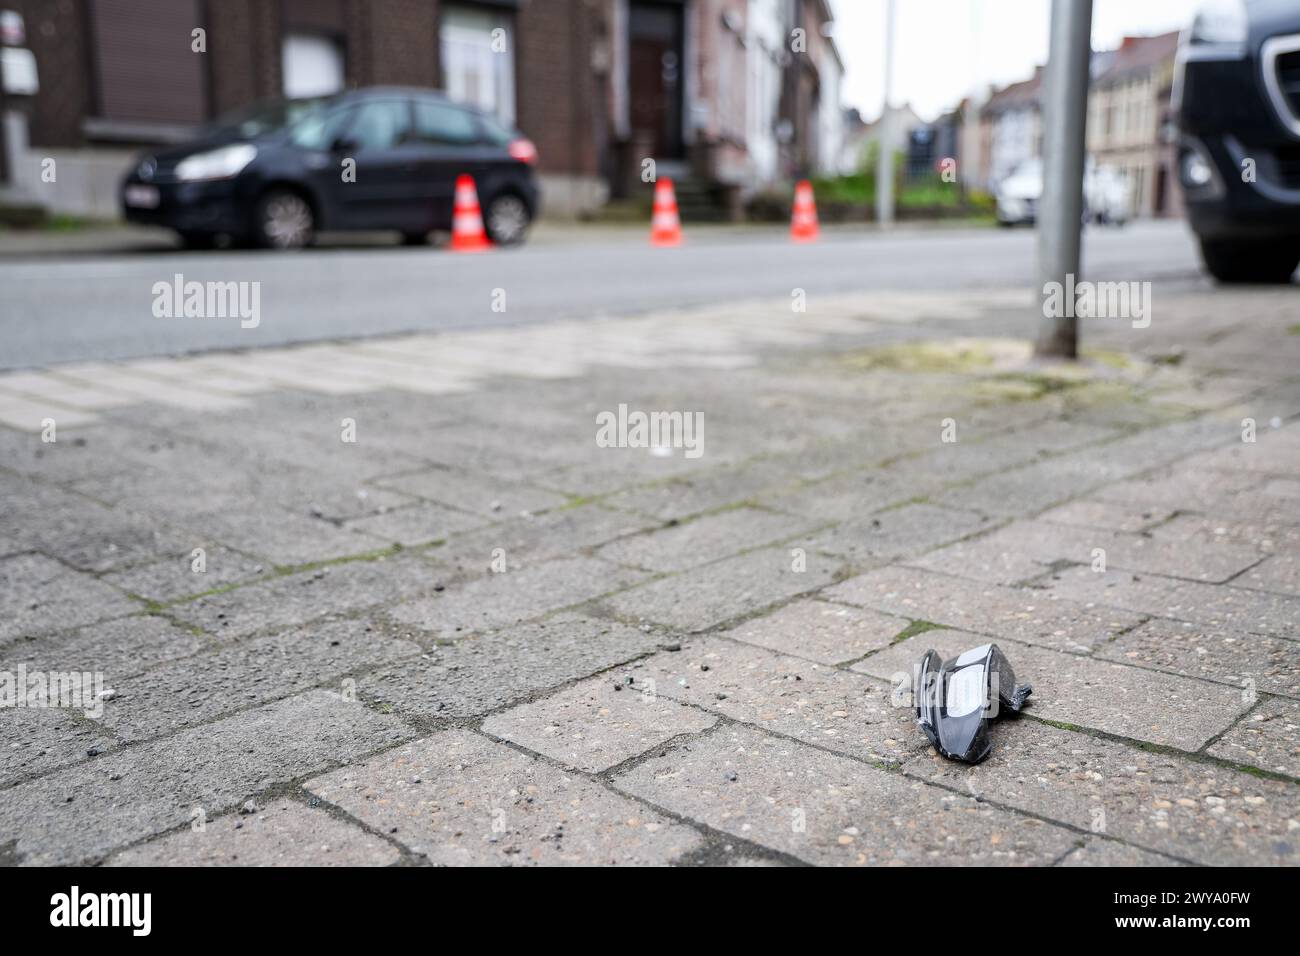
{"x":1222,"y":23}
{"x":1197,"y":171}
{"x":218,"y":164}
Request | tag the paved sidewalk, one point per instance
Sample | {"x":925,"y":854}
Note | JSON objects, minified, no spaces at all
{"x":390,"y":602}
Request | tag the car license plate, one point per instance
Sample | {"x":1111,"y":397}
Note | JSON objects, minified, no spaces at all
{"x":144,"y":197}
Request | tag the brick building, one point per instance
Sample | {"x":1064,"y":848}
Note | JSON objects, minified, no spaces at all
{"x":116,"y":76}
{"x":716,"y":91}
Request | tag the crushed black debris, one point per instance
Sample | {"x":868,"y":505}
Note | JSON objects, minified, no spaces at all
{"x":957,"y":699}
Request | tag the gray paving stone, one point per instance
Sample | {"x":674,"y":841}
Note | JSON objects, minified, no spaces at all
{"x":497,"y":600}
{"x":707,"y":539}
{"x":87,"y":452}
{"x":716,"y":593}
{"x":190,"y":493}
{"x":594,"y":472}
{"x":856,"y":496}
{"x":280,"y":537}
{"x":80,"y":532}
{"x":312,"y":441}
{"x":530,"y":539}
{"x":1204,"y":491}
{"x":1278,"y":572}
{"x":1268,"y":738}
{"x":1278,"y":535}
{"x":39,"y":595}
{"x":691,"y":494}
{"x":476,"y":675}
{"x":37,"y":740}
{"x":298,"y":598}
{"x":1025,"y":549}
{"x":1101,"y":852}
{"x":283,"y":833}
{"x":1218,"y":606}
{"x":1100,"y":695}
{"x":1156,"y":801}
{"x":203,"y":687}
{"x":416,"y":524}
{"x":174,"y":577}
{"x":86,"y":811}
{"x":1031,"y":616}
{"x":821,"y":705}
{"x":1247,"y":661}
{"x":1034,"y":487}
{"x":1287,"y":489}
{"x":472,"y":493}
{"x":898,"y":533}
{"x":1275,"y":451}
{"x":1107,"y":516}
{"x":1017,"y":552}
{"x":118,"y":649}
{"x":820,"y":631}
{"x":596,"y":724}
{"x":460,"y":799}
{"x":829,"y":810}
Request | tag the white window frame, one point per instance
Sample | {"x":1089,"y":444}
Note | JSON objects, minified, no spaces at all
{"x":466,"y":34}
{"x":309,"y":45}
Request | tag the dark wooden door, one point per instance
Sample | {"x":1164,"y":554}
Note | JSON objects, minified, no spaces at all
{"x":655,"y":75}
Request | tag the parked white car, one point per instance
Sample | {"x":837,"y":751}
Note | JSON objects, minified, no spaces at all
{"x":1106,"y":195}
{"x":1018,"y":194}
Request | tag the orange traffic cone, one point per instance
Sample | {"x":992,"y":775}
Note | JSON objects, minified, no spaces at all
{"x":665,"y":225}
{"x":467,"y":233}
{"x":803,"y":224}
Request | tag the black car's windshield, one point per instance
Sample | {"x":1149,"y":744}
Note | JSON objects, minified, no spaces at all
{"x":264,"y":117}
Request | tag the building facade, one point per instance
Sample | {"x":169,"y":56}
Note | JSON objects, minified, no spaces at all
{"x":1128,"y":122}
{"x":117,"y":76}
{"x":1014,"y":118}
{"x":1128,"y":119}
{"x":736,"y":93}
{"x":713,"y":89}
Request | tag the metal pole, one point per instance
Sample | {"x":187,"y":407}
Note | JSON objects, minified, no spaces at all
{"x":4,"y":126}
{"x":885,"y":159}
{"x":1060,"y":216}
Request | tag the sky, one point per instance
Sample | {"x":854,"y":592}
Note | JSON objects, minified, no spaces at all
{"x":945,"y":49}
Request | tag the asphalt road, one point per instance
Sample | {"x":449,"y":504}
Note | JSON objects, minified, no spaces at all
{"x":100,"y":306}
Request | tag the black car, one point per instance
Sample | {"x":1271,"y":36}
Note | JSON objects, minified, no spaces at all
{"x":1237,"y":96}
{"x":373,"y":159}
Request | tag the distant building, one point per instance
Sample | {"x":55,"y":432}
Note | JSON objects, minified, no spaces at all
{"x":860,"y":138}
{"x":1128,"y":114}
{"x":1013,"y":116}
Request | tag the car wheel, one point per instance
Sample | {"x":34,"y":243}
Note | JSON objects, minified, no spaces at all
{"x":507,"y":219}
{"x":283,"y":220}
{"x":415,"y":238}
{"x":1251,"y":260}
{"x":198,"y":240}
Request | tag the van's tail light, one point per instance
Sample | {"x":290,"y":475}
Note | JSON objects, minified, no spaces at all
{"x":524,"y":151}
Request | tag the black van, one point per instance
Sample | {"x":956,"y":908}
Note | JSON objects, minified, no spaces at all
{"x":1237,"y":97}
{"x":382,"y":158}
